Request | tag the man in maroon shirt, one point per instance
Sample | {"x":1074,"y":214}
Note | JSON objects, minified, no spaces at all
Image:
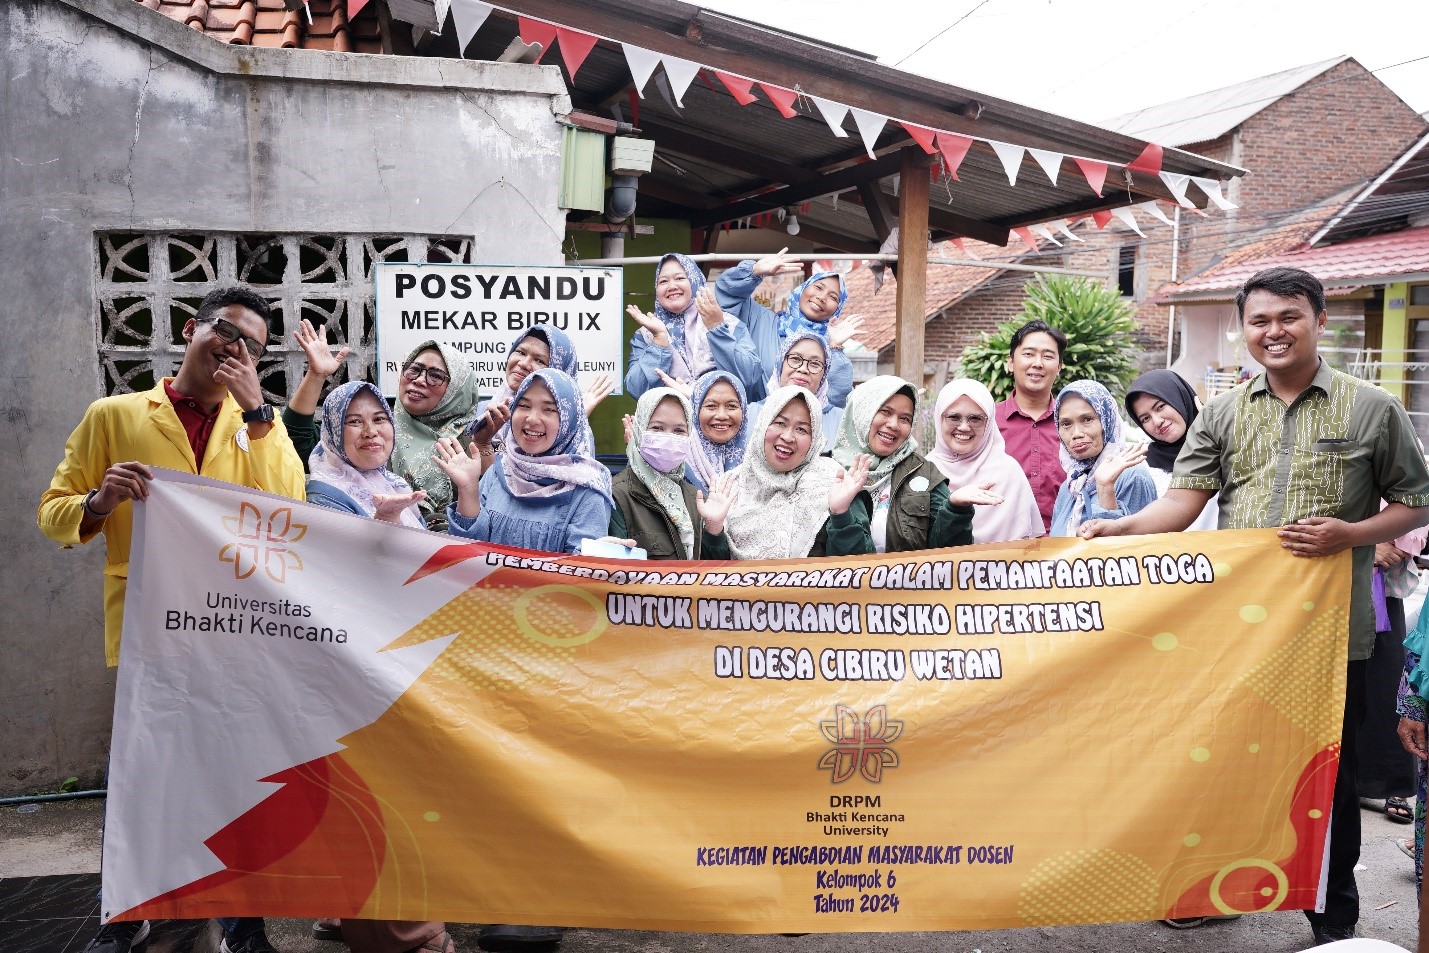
{"x":1026,"y":419}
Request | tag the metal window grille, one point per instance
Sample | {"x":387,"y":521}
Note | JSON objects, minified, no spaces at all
{"x":148,"y":285}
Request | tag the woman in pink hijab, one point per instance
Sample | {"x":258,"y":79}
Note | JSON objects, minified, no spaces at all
{"x":970,"y":451}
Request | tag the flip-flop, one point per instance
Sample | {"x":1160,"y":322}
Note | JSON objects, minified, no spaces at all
{"x":1397,"y":809}
{"x":1406,"y":845}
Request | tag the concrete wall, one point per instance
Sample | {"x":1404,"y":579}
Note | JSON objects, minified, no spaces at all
{"x":118,"y":118}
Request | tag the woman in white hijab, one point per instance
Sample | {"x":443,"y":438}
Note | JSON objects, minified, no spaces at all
{"x":970,"y":451}
{"x":788,"y":501}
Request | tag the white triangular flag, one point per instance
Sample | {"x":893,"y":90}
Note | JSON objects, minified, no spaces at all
{"x":1177,"y":182}
{"x":1212,"y":188}
{"x":1042,"y":231}
{"x":681,"y":73}
{"x":1125,"y":215}
{"x":642,"y":63}
{"x":833,"y":113}
{"x":468,"y":15}
{"x":1065,"y":229}
{"x":1011,"y":157}
{"x":1153,"y":208}
{"x":1051,"y":162}
{"x":442,"y":6}
{"x":662,"y":86}
{"x":869,"y":126}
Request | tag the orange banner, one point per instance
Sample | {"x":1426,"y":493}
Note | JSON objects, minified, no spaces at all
{"x":392,"y":724}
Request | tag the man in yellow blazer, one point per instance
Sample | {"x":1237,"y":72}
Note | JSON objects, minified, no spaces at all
{"x":209,"y":419}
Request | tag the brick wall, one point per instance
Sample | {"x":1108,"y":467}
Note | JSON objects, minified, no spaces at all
{"x":1301,"y":149}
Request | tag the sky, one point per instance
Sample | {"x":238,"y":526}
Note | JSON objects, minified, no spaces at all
{"x":1091,"y":60}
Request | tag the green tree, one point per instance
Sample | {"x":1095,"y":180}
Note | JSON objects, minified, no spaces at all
{"x":1098,"y":324}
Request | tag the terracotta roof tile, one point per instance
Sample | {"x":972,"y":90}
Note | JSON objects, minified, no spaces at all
{"x":1383,"y":256}
{"x":268,"y":23}
{"x":946,"y":285}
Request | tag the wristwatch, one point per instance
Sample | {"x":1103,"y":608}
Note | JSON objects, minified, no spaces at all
{"x":262,"y":414}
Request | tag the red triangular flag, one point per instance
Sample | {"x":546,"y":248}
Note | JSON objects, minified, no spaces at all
{"x":953,"y":147}
{"x":921,"y":135}
{"x":537,"y":31}
{"x":738,"y":87}
{"x":1101,"y":218}
{"x":354,"y":7}
{"x":1026,"y":236}
{"x":1149,"y":161}
{"x":783,"y":99}
{"x":1094,"y":171}
{"x":575,"y":47}
{"x":705,"y":78}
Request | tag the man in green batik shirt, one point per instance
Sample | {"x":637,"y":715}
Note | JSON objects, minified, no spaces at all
{"x":1307,"y":448}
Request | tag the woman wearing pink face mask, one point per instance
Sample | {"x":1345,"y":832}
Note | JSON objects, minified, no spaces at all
{"x":655,"y":505}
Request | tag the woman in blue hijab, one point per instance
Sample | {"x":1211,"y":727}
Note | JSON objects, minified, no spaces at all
{"x":546,"y":491}
{"x":722,"y":419}
{"x":1106,"y":479}
{"x":688,"y":335}
{"x":812,"y":308}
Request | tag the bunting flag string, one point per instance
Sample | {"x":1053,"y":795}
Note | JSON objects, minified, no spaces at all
{"x":576,"y":45}
{"x":1011,"y":157}
{"x":468,"y":16}
{"x":1051,"y":162}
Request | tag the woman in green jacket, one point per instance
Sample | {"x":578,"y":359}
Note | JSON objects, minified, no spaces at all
{"x":907,"y":504}
{"x":656,"y":506}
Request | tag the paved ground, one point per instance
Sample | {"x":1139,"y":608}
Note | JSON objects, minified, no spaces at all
{"x":49,"y":859}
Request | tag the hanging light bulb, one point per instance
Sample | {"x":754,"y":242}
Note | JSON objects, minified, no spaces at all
{"x":791,"y":223}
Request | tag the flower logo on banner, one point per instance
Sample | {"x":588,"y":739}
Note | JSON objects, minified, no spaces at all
{"x":263,"y":542}
{"x":860,"y":745}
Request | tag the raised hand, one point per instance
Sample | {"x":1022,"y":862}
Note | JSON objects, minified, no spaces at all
{"x":979,"y":495}
{"x":463,"y":469}
{"x":599,"y":390}
{"x":629,"y":423}
{"x":322,"y":362}
{"x":659,"y":334}
{"x":711,"y":314}
{"x":848,"y":484}
{"x":843,"y":331}
{"x":713,"y":507}
{"x":778,"y":264}
{"x":687,"y":389}
{"x":391,"y":505}
{"x":1117,"y":461}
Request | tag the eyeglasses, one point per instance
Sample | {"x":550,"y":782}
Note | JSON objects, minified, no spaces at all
{"x":974,"y":421}
{"x":228,"y":333}
{"x":435,"y":376}
{"x":811,"y":364}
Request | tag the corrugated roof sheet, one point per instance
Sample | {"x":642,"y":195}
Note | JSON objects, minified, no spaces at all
{"x":946,"y":285}
{"x":1208,"y":116}
{"x":1368,"y":260}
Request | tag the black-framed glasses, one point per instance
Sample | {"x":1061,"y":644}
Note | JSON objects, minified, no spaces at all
{"x":811,"y":364}
{"x":975,"y":421}
{"x":435,"y":376}
{"x":228,"y":332}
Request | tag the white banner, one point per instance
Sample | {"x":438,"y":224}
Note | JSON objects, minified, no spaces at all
{"x":479,"y":310}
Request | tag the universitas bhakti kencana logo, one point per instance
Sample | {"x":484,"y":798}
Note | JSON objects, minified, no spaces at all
{"x":265,"y":542}
{"x":860,"y":745}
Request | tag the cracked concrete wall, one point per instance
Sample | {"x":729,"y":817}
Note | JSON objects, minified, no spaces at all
{"x":115,"y":117}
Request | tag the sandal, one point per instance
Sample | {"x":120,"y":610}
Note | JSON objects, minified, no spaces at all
{"x":1397,"y":809}
{"x":441,"y":943}
{"x":1406,"y":845}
